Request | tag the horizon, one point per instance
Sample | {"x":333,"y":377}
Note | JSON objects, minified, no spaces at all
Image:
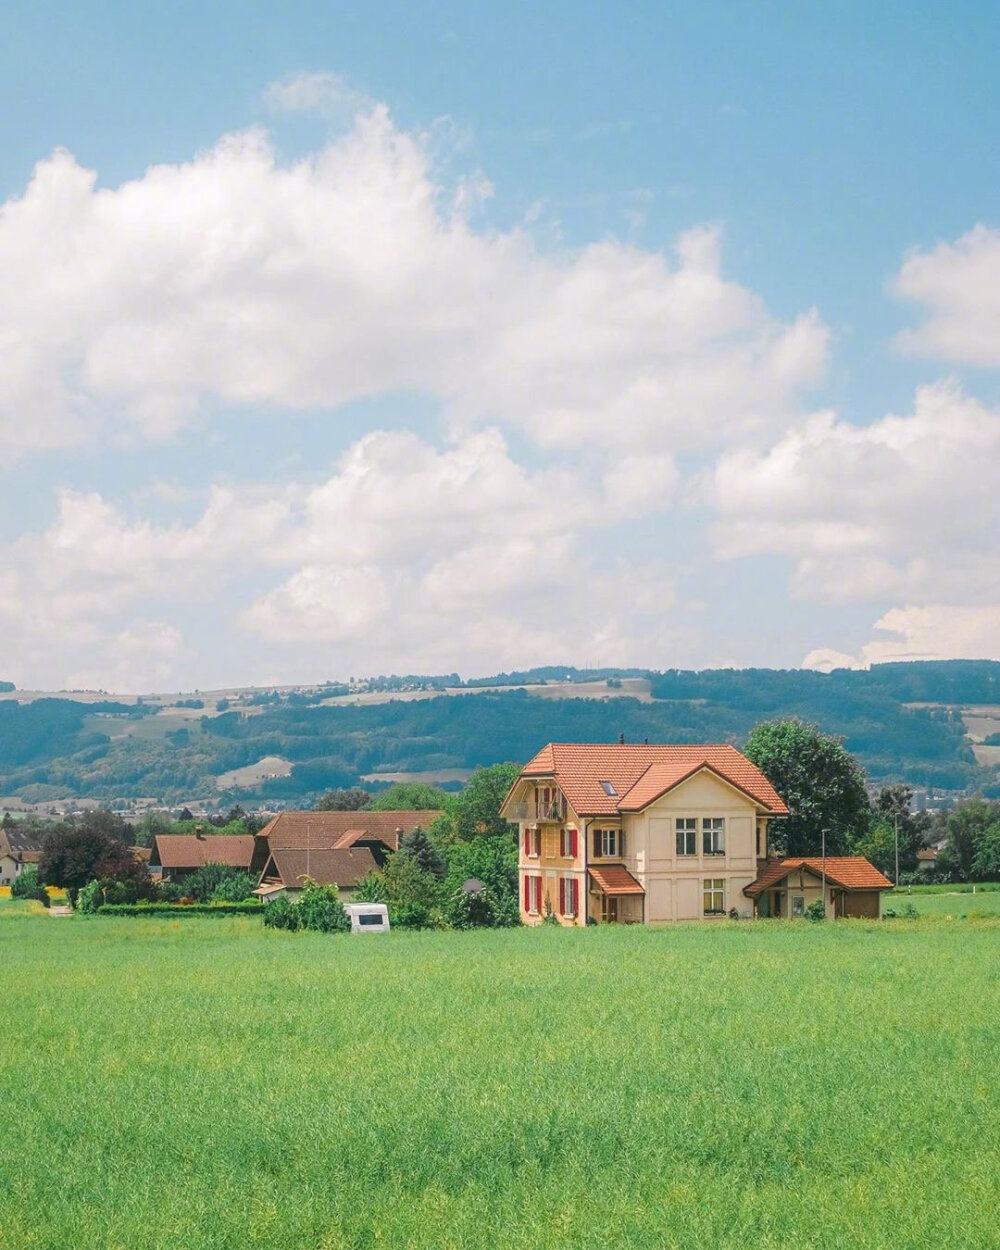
{"x":436,"y":336}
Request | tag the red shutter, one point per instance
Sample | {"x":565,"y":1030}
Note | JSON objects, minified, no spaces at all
{"x":562,"y":896}
{"x":576,"y":897}
{"x":573,"y":844}
{"x":527,"y":894}
{"x":597,"y":844}
{"x":562,"y":842}
{"x":527,"y":840}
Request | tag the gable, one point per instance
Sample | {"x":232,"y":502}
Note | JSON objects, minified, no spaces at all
{"x":703,"y":791}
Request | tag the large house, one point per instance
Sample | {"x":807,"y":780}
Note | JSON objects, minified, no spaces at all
{"x":331,"y":848}
{"x":175,"y":856}
{"x":17,"y":851}
{"x":641,"y":833}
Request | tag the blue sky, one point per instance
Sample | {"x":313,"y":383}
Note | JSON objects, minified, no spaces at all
{"x":599,"y":367}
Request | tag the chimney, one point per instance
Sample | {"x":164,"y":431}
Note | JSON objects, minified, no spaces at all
{"x":199,"y":832}
{"x":621,"y":740}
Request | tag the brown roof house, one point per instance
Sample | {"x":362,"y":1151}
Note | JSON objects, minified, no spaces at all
{"x":333,"y":848}
{"x":175,"y":856}
{"x":648,"y":833}
{"x":17,"y":851}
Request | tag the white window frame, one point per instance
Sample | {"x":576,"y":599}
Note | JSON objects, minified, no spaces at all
{"x":713,"y":835}
{"x":535,"y":891}
{"x":686,"y":827}
{"x":610,"y":838}
{"x":568,"y":889}
{"x":713,"y":886}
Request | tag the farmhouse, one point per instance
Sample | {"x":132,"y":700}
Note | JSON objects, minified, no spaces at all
{"x":175,"y":856}
{"x":17,"y":851}
{"x":651,"y":833}
{"x":333,"y":848}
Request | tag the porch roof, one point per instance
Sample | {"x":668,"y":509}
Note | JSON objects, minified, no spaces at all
{"x":615,"y":879}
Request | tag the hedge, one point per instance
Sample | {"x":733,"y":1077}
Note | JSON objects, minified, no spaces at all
{"x":180,"y":909}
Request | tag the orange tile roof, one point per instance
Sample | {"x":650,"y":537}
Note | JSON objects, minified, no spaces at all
{"x":614,"y":879}
{"x":342,"y":829}
{"x":640,"y":773}
{"x":927,"y":853}
{"x":850,"y":872}
{"x":188,"y":850}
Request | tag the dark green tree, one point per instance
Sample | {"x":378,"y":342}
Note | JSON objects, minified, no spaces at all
{"x":343,"y":801}
{"x":821,"y":782}
{"x":966,"y":826}
{"x":414,"y":796}
{"x":418,"y":846}
{"x":476,"y":809}
{"x":82,"y":850}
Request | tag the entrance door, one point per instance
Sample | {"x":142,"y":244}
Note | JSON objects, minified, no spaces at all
{"x":609,"y":909}
{"x":777,"y":902}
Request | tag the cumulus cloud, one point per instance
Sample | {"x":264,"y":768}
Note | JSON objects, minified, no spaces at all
{"x":315,"y":92}
{"x":905,"y":509}
{"x":926,"y":632}
{"x":959,"y":286}
{"x":234,"y":279}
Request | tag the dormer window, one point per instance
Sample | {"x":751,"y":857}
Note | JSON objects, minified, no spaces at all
{"x":609,"y":789}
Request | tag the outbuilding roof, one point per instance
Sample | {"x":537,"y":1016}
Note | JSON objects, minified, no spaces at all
{"x":849,"y":872}
{"x":343,"y":868}
{"x":602,"y":779}
{"x":342,"y":829}
{"x":191,"y":850}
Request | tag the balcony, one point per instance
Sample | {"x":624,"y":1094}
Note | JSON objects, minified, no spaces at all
{"x":521,"y":811}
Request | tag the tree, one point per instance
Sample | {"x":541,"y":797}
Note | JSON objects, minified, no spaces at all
{"x":423,"y":852}
{"x":820,"y":781}
{"x":28,"y":884}
{"x":343,"y":801}
{"x":80,"y":850}
{"x":411,"y":796}
{"x":986,"y":865}
{"x":966,"y":826}
{"x":476,"y":809}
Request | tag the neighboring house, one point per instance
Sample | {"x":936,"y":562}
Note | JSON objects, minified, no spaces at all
{"x":639,"y":833}
{"x":333,"y":848}
{"x":786,"y":887}
{"x":927,"y":858}
{"x":175,"y":856}
{"x":287,"y":869}
{"x":17,"y":852}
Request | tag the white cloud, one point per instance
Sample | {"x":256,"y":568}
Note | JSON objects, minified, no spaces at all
{"x":905,"y":509}
{"x":140,"y":658}
{"x":932,"y":631}
{"x":315,"y":92}
{"x":959,"y":285}
{"x":237,"y":280}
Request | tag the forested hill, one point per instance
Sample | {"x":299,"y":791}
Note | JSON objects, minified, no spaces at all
{"x":904,"y":721}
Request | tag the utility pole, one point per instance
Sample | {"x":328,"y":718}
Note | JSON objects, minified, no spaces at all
{"x":895,"y":822}
{"x":823,"y":895}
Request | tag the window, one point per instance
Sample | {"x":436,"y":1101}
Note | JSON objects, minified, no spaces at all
{"x":532,"y":842}
{"x":569,"y":895}
{"x":798,"y":905}
{"x":715,"y":896}
{"x":608,"y":788}
{"x":687,"y":835}
{"x":713,"y":832}
{"x":607,"y":842}
{"x":533,"y":895}
{"x":568,"y":843}
{"x":371,"y":917}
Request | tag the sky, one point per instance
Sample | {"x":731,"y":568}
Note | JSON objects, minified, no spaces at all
{"x":342,"y":339}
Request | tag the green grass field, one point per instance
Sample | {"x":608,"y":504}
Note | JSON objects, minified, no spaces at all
{"x":210,"y":1083}
{"x":982,"y":903}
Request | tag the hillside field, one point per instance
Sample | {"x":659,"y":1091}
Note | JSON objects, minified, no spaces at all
{"x":210,"y":1083}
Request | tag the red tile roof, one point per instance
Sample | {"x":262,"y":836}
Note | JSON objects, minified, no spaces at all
{"x":927,"y":853}
{"x":850,"y":872}
{"x":188,"y":850}
{"x":343,"y":829}
{"x":343,"y":868}
{"x":641,"y":773}
{"x":614,"y":879}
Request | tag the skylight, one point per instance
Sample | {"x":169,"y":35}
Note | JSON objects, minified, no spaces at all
{"x":608,"y":788}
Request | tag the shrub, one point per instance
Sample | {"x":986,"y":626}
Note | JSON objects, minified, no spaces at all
{"x":173,"y":909}
{"x":816,"y":910}
{"x":236,"y":887}
{"x":89,"y":899}
{"x":170,"y":892}
{"x":281,"y":914}
{"x":212,"y":877}
{"x":320,"y":908}
{"x":28,"y":884}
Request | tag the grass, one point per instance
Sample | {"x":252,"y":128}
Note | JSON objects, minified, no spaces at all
{"x":983,"y":902}
{"x":758,"y":1084}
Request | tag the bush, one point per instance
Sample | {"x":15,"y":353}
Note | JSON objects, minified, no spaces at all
{"x":236,"y":887}
{"x":281,"y":913}
{"x":320,"y":908}
{"x":174,"y":909}
{"x":171,"y":892}
{"x":212,"y":878}
{"x":89,"y":899}
{"x":816,"y":910}
{"x":28,"y":884}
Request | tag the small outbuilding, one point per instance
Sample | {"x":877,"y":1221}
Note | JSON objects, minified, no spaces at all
{"x":853,"y":887}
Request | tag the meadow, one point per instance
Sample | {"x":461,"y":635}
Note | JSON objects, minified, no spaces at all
{"x":753,"y":1084}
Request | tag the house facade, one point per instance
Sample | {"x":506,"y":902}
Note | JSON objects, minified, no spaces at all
{"x":639,"y":833}
{"x":18,"y":851}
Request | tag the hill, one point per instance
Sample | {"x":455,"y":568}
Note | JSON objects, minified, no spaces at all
{"x":923,"y":723}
